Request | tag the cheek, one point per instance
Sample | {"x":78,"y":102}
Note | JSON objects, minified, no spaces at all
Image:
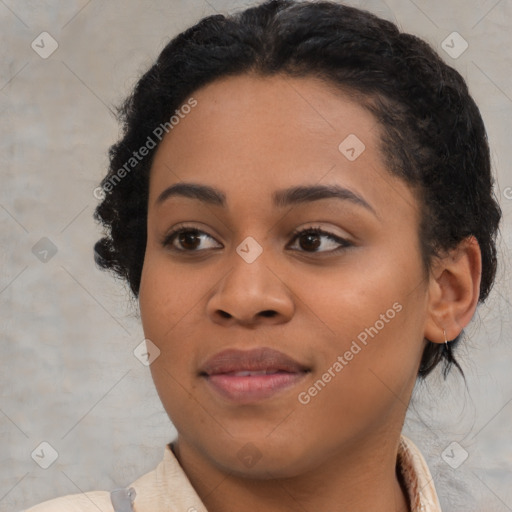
{"x":362,"y":383}
{"x":164,"y":302}
{"x":352,"y":298}
{"x":169,"y":297}
{"x":166,"y":295}
{"x":374,"y":321}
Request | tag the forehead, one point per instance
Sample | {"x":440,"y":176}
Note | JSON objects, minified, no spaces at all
{"x":249,"y":135}
{"x":248,"y":113}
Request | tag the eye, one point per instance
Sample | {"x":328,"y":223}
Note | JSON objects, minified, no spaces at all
{"x":188,"y":238}
{"x":312,"y":238}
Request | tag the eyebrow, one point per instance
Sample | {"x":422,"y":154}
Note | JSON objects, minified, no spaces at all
{"x":281,"y":198}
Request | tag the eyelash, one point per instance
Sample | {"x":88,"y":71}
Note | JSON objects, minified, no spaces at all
{"x":169,"y":238}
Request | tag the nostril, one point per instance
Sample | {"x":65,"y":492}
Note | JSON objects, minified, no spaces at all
{"x":267,"y":313}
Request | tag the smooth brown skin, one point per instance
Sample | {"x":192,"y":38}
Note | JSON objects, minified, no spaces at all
{"x":250,"y":136}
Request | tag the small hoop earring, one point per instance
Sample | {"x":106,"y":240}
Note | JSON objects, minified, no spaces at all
{"x":445,"y":340}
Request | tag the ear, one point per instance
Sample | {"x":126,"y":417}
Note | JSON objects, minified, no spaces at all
{"x":454,"y":288}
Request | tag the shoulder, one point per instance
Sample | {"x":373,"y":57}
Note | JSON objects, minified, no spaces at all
{"x":84,"y":502}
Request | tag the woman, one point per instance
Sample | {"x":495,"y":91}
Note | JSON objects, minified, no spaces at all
{"x":302,"y":203}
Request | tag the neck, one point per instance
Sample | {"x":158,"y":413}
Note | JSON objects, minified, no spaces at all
{"x":360,"y":478}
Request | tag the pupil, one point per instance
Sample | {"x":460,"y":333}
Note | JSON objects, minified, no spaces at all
{"x":309,"y":237}
{"x":188,"y":238}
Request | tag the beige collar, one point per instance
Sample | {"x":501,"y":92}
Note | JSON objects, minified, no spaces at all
{"x":417,"y":477}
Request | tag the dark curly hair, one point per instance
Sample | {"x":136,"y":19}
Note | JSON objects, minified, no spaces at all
{"x":434,"y":137}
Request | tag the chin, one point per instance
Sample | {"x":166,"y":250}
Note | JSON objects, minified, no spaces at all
{"x":261,"y":459}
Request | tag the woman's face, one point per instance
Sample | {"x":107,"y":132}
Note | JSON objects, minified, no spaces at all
{"x":346,"y":309}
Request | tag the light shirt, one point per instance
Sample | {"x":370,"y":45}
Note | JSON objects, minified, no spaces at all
{"x":168,"y":489}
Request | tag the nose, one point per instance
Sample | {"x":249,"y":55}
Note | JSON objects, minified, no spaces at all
{"x":250,"y":294}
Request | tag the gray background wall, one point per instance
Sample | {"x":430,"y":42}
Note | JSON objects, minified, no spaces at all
{"x":68,"y":331}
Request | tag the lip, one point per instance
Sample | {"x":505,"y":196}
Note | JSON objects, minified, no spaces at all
{"x":246,"y":376}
